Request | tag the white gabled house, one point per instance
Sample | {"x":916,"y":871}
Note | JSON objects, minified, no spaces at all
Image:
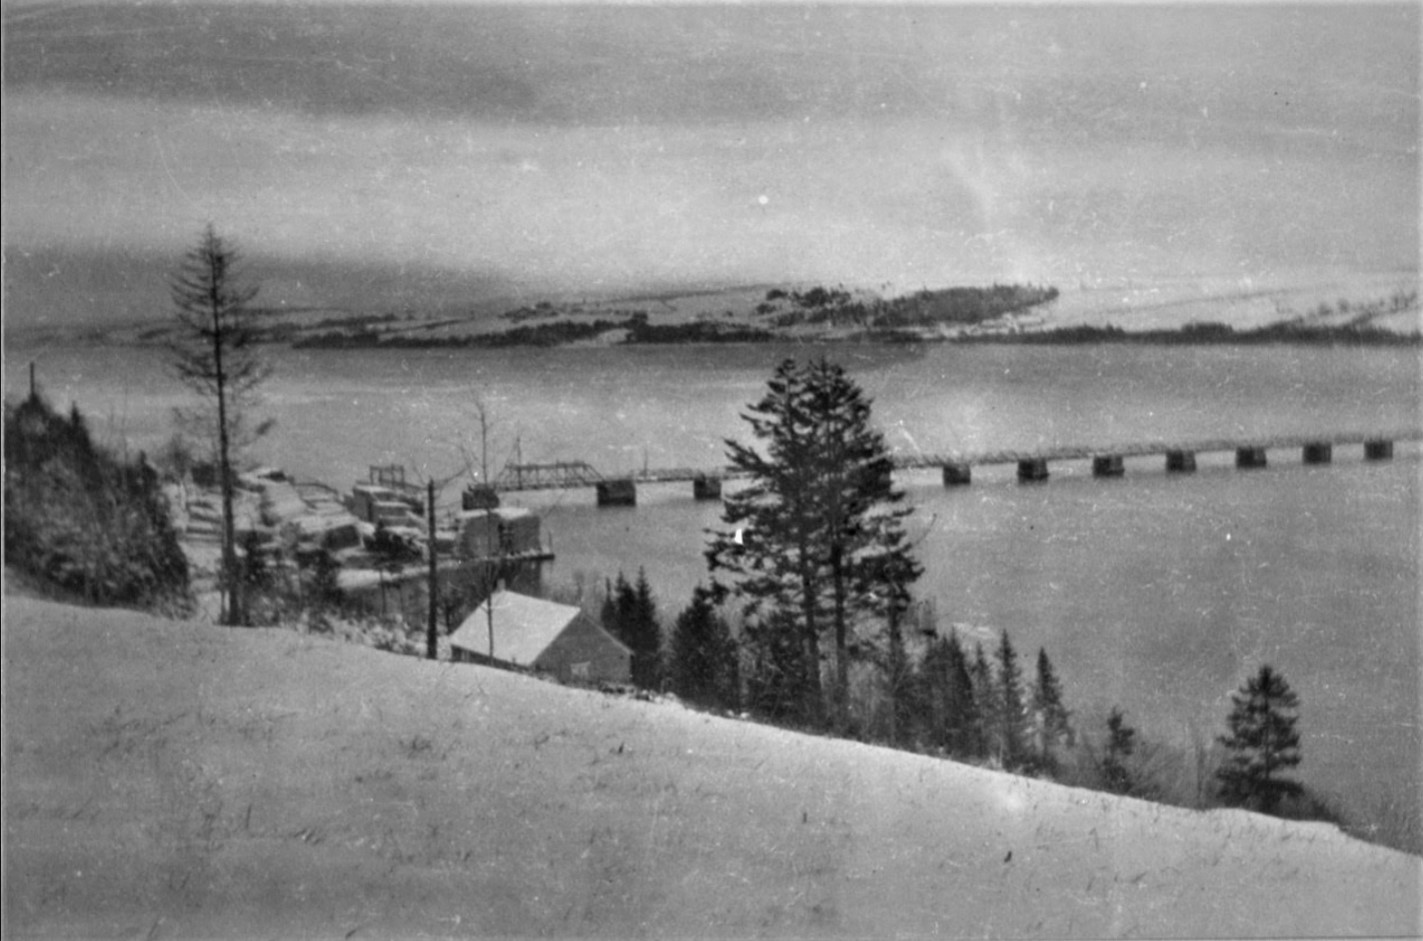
{"x":539,"y":636}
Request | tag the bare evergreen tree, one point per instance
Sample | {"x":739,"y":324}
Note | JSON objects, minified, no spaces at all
{"x":214,"y":354}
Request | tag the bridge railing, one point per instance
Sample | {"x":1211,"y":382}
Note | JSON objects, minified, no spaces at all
{"x":557,"y":475}
{"x":566,"y":475}
{"x":1147,"y":448}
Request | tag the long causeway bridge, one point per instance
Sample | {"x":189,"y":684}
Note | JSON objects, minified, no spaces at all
{"x":957,"y":469}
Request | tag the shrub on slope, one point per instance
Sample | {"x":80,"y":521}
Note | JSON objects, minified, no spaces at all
{"x":82,"y":521}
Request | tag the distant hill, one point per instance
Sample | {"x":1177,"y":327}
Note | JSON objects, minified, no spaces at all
{"x":169,"y":779}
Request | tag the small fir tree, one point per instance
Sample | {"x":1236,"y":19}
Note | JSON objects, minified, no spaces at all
{"x":1120,"y":745}
{"x":777,"y":675}
{"x":325,"y":574}
{"x":630,"y":614}
{"x":900,"y":690}
{"x":608,"y":614}
{"x":618,"y":610}
{"x":1051,"y":726}
{"x":1262,"y":744}
{"x":649,"y":631}
{"x":324,"y":597}
{"x":932,"y":678}
{"x":703,"y":655}
{"x":259,"y":580}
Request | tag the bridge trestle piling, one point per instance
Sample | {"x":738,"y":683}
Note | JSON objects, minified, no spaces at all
{"x":1032,"y":470}
{"x":620,"y":492}
{"x":957,"y":475}
{"x":1378,"y":449}
{"x":706,"y":488}
{"x":1180,"y":462}
{"x":1108,"y":465}
{"x":1250,"y":457}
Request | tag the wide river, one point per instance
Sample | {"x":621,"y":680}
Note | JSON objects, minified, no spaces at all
{"x":1153,"y":592}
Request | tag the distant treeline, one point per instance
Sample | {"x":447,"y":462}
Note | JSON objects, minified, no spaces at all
{"x":878,"y":321}
{"x":638,"y":330}
{"x":701,"y":331}
{"x":960,"y":305}
{"x":544,"y":334}
{"x":1196,"y":334}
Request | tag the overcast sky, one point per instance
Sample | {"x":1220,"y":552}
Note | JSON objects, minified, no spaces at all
{"x":610,"y":148}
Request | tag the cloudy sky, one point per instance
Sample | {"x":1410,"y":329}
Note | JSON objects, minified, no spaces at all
{"x":384,"y":153}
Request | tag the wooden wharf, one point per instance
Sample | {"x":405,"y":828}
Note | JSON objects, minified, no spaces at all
{"x":1107,"y":461}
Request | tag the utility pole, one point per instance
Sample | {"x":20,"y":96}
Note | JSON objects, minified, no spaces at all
{"x":490,"y":536}
{"x":431,"y":641}
{"x":483,"y":446}
{"x":489,"y":609}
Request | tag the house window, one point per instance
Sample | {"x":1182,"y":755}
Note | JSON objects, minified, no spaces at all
{"x":581,"y":671}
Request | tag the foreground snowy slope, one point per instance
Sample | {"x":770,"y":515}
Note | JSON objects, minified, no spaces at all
{"x":178,"y":780}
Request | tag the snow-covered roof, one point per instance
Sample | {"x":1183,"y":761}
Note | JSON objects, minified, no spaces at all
{"x":524,"y":627}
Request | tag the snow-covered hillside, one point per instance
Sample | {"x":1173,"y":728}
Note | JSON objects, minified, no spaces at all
{"x":180,"y":780}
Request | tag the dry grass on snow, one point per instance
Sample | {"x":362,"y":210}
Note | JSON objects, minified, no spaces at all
{"x":178,"y":780}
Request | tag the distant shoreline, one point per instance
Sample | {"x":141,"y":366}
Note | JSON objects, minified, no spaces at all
{"x":1205,"y":335}
{"x":1363,"y":314}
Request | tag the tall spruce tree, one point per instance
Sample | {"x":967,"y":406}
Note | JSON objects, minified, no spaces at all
{"x":214,"y":354}
{"x":947,"y":694}
{"x":645,"y":634}
{"x":986,"y":700}
{"x":1262,"y":744}
{"x":609,"y":611}
{"x":1011,"y":715}
{"x":809,"y":542}
{"x":629,"y":613}
{"x":702,"y":665}
{"x":1051,"y":725}
{"x":884,"y":575}
{"x":964,"y":724}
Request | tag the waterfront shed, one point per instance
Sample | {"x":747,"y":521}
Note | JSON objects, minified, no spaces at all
{"x":506,"y":530}
{"x":365,"y":498}
{"x":544,"y":637}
